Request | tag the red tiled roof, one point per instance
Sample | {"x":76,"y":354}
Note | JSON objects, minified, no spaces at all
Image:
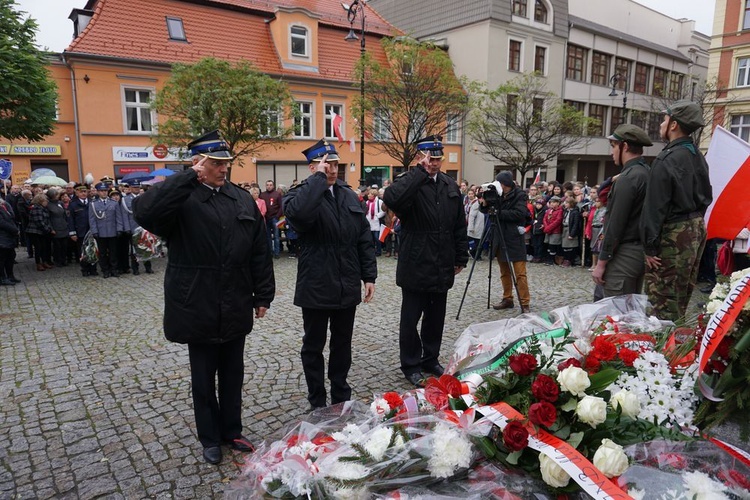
{"x":136,"y":29}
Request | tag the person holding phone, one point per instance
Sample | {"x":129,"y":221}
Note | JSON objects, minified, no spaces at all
{"x":335,"y":257}
{"x":433,"y":249}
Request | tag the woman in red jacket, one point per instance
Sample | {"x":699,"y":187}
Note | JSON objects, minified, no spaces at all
{"x":553,"y":231}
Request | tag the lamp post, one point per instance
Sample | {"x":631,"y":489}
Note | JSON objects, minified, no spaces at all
{"x":357,"y":8}
{"x":615,"y":80}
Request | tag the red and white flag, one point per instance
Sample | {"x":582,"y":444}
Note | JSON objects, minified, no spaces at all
{"x":728,"y":160}
{"x":336,"y":121}
{"x":538,"y":176}
{"x":352,"y":148}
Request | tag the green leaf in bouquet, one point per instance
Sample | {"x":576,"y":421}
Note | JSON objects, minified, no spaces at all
{"x":575,"y":439}
{"x":457,"y":404}
{"x":743,"y":341}
{"x":512,"y":458}
{"x":486,"y":446}
{"x":571,"y":405}
{"x":733,"y":375}
{"x":602,"y":379}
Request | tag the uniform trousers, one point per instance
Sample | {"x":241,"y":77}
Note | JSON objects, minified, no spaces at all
{"x":107,"y":254}
{"x":625,"y":270}
{"x":315,"y":323}
{"x":417,"y":351}
{"x":217,"y":420}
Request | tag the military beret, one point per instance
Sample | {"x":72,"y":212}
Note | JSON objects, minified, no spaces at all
{"x":632,"y":134}
{"x":688,"y":114}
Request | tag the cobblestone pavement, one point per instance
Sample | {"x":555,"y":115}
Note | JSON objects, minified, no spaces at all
{"x":95,"y":402}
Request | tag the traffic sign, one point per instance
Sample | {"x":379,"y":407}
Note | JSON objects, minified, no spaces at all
{"x":6,"y":168}
{"x":161,"y":151}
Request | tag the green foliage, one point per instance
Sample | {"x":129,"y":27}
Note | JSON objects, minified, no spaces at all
{"x":523,"y":126}
{"x":27,"y":91}
{"x":248,"y":107}
{"x":408,"y":97}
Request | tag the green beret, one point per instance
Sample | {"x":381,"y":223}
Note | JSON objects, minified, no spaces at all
{"x":688,"y":114}
{"x":631,"y":134}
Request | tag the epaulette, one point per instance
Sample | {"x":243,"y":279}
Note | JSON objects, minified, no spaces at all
{"x":402,"y":174}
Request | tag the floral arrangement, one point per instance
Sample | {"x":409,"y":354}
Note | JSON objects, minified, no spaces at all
{"x":725,"y":377}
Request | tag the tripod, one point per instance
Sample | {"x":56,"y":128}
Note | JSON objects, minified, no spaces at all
{"x":488,"y":236}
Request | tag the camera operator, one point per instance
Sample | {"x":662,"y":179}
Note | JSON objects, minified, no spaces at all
{"x":505,"y":202}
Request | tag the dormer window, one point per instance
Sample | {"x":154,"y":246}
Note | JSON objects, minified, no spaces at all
{"x":176,"y":29}
{"x":299,"y":41}
{"x":540,"y":12}
{"x":519,"y":8}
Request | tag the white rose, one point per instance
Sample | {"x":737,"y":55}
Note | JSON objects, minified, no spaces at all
{"x":628,"y":401}
{"x":552,"y":474}
{"x":592,"y":410}
{"x":610,"y":459}
{"x":574,"y":380}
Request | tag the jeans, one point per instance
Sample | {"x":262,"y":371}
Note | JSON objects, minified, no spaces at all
{"x":274,"y":239}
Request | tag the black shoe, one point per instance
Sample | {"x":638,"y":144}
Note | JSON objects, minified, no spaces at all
{"x":14,"y":279}
{"x":116,"y":274}
{"x":707,"y":289}
{"x":212,"y":455}
{"x":241,"y":443}
{"x":416,"y":379}
{"x":435,"y":369}
{"x":136,"y":272}
{"x":149,"y":271}
{"x":6,"y":282}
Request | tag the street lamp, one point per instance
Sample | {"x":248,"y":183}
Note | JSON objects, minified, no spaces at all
{"x":614,"y":81}
{"x":358,"y":8}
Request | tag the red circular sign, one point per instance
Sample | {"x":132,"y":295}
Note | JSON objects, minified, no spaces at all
{"x":161,"y":151}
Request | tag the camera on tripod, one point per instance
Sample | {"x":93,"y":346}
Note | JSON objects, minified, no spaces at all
{"x":490,"y":194}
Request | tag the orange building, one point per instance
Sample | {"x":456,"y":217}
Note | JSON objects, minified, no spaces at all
{"x":121,"y":57}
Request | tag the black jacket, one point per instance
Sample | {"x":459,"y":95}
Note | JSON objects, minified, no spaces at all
{"x":511,"y":214}
{"x":336,"y":252}
{"x":219,"y":265}
{"x":78,"y":222}
{"x":8,"y":227}
{"x":575,"y":222}
{"x":433,"y":237}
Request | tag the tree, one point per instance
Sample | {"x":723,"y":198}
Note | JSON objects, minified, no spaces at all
{"x":523,"y":126}
{"x":411,"y":95}
{"x":248,"y":107}
{"x":27,"y":92}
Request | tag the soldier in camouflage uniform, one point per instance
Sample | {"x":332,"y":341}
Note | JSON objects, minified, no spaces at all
{"x":672,"y":228}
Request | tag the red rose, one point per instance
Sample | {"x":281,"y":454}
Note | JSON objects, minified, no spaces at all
{"x":544,"y":388}
{"x":543,"y":413}
{"x":568,"y":362}
{"x":628,"y":356}
{"x":523,"y":364}
{"x":592,"y":364}
{"x":515,"y":436}
{"x":438,"y":390}
{"x":604,"y":349}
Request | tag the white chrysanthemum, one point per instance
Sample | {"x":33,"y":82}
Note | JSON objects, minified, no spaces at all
{"x":720,"y":292}
{"x":347,"y":471}
{"x":380,"y":407}
{"x":302,"y":449}
{"x":378,"y":442}
{"x":451,"y":450}
{"x":351,"y":494}
{"x":702,"y":487}
{"x":713,"y":306}
{"x":350,"y":434}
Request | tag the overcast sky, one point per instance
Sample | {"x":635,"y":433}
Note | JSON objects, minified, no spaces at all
{"x":56,"y":30}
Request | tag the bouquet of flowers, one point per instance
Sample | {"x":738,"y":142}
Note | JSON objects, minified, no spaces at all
{"x":147,"y":245}
{"x":724,"y":351}
{"x":89,"y":249}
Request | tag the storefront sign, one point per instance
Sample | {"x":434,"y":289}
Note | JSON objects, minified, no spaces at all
{"x":140,"y":154}
{"x":31,"y":150}
{"x":20,"y":175}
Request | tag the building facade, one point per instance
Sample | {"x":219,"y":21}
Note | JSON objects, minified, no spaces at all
{"x":613,"y":64}
{"x":121,"y":57}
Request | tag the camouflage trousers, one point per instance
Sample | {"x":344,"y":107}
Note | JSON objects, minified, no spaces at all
{"x":670,"y":286}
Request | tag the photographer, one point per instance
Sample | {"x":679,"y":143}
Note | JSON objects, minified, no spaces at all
{"x":505,"y":202}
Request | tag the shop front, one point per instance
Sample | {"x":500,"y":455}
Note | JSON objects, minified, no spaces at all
{"x":29,"y":157}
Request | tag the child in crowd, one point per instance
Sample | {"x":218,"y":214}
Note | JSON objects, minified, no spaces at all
{"x":597,"y":231}
{"x":537,"y":230}
{"x":572,"y":226}
{"x":552,"y":227}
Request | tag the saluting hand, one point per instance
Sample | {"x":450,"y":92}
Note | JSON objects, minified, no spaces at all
{"x":200,"y":169}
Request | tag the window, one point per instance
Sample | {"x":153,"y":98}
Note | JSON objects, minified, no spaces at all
{"x":654,"y":122}
{"x":540,"y":60}
{"x":617,"y":118}
{"x":598,"y":113}
{"x":270,"y":123}
{"x":741,"y":127}
{"x":451,"y":131}
{"x":511,"y":110}
{"x":580,"y":107}
{"x":176,"y":29}
{"x":537,"y":109}
{"x":576,"y":69}
{"x":303,"y":122}
{"x":600,"y":68}
{"x":514,"y":55}
{"x":675,"y":85}
{"x":622,"y":66}
{"x":381,"y":125}
{"x":641,"y":78}
{"x":299,"y":41}
{"x":639,"y":119}
{"x":329,"y":109}
{"x":746,"y":20}
{"x":519,"y":8}
{"x":660,"y":82}
{"x":138,"y":116}
{"x":743,"y":72}
{"x":540,"y":12}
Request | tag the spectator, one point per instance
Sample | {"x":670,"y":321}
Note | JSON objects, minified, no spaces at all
{"x":571,"y":231}
{"x":8,"y":242}
{"x":40,"y":232}
{"x":59,"y":222}
{"x":255,"y":192}
{"x":552,"y":227}
{"x":272,"y":198}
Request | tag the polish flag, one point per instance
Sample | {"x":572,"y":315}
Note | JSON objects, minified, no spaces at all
{"x":538,"y":176}
{"x":728,"y":160}
{"x":337,"y":120}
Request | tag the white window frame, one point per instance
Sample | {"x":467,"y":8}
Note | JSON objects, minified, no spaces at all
{"x":381,"y":125}
{"x":138,"y":105}
{"x":452,"y":128}
{"x":328,"y":121}
{"x":172,"y":35}
{"x":743,"y":72}
{"x":270,"y":113}
{"x":520,"y":56}
{"x":741,"y":129}
{"x":306,"y":39}
{"x":305,"y":116}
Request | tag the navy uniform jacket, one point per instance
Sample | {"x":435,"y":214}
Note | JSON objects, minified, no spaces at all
{"x":105,"y":218}
{"x":78,"y":222}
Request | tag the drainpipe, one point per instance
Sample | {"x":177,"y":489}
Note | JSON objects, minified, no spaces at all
{"x":75,"y":116}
